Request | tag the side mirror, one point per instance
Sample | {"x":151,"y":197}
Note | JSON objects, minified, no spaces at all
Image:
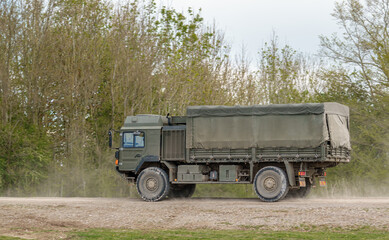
{"x":110,"y":139}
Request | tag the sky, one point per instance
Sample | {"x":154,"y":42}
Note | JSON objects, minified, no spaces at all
{"x":251,"y":23}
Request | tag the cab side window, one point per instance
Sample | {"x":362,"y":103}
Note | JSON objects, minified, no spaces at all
{"x":134,"y":139}
{"x":139,"y":141}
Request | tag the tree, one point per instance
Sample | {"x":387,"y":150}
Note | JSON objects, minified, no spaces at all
{"x":285,"y":75}
{"x":361,"y":80}
{"x":70,"y":70}
{"x":24,"y":146}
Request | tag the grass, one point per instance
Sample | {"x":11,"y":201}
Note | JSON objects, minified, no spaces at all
{"x":338,"y":233}
{"x":363,"y":233}
{"x":9,"y":238}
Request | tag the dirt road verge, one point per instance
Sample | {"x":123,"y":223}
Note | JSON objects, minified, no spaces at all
{"x":23,"y":216}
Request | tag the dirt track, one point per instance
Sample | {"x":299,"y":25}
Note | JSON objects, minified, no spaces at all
{"x":23,"y":216}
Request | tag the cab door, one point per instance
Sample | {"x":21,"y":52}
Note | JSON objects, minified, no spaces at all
{"x":132,"y":149}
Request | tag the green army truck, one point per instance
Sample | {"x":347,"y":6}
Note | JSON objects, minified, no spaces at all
{"x":281,"y":149}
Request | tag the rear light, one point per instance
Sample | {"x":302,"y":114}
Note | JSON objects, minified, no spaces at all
{"x":302,"y":174}
{"x":117,"y":162}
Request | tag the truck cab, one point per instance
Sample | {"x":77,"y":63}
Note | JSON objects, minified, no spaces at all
{"x":140,"y":142}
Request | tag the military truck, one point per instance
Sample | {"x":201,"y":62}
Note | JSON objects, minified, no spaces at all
{"x":282,"y":149}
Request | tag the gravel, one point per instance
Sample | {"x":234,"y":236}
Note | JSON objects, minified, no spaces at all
{"x":52,"y":218}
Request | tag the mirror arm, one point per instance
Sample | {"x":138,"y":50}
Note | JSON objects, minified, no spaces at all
{"x":110,"y":141}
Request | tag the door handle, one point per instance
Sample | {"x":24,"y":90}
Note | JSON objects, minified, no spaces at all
{"x":137,"y":155}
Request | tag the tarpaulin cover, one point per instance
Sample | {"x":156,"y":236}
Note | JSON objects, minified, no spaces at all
{"x":338,"y":131}
{"x":278,"y":125}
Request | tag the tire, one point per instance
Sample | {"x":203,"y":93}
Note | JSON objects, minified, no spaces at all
{"x":153,"y":184}
{"x":271,"y":184}
{"x":181,"y":190}
{"x":301,"y":192}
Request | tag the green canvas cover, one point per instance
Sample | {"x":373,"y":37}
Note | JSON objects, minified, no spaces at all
{"x":277,"y":125}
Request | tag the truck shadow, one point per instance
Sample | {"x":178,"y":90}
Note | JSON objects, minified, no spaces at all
{"x":227,"y":199}
{"x":215,"y":199}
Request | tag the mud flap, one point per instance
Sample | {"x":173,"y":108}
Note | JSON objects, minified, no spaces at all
{"x":322,"y":182}
{"x":302,"y":182}
{"x":290,"y":173}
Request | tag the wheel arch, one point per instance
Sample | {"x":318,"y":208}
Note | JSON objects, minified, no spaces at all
{"x":147,"y":161}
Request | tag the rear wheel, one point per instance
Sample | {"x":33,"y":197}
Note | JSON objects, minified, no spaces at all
{"x":271,"y":184}
{"x":153,"y":184}
{"x":182,"y":190}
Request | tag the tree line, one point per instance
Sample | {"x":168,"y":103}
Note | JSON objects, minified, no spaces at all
{"x":72,"y":69}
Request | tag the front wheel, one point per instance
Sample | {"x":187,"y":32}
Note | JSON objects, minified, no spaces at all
{"x":153,"y":184}
{"x":271,"y":184}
